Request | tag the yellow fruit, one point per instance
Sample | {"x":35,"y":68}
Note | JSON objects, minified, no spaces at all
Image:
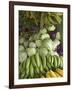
{"x":52,"y":74}
{"x":59,"y":71}
{"x":48,"y":75}
{"x":57,"y":74}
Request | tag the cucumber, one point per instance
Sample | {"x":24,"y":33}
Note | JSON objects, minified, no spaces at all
{"x":49,"y":58}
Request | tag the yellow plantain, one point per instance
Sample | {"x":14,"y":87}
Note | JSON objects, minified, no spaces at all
{"x":52,"y":74}
{"x":59,"y":71}
{"x":57,"y":74}
{"x":48,"y":75}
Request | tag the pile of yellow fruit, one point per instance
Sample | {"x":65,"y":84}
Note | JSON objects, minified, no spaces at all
{"x":52,"y":74}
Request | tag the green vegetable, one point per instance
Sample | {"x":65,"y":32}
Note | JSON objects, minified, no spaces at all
{"x":32,"y":45}
{"x":21,"y":48}
{"x":44,"y":36}
{"x":43,"y":51}
{"x":55,"y":43}
{"x":22,"y":56}
{"x":31,"y":51}
{"x":51,"y":28}
{"x":38,"y":43}
{"x":25,"y":44}
{"x":43,"y":31}
{"x":21,"y":40}
{"x":37,"y":49}
{"x":48,"y":43}
{"x":53,"y":53}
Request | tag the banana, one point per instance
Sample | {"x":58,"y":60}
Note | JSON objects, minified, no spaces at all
{"x":49,"y":58}
{"x":59,"y":61}
{"x":52,"y":61}
{"x":31,"y":71}
{"x":44,"y":61}
{"x":57,"y":74}
{"x":48,"y":65}
{"x":35,"y":64}
{"x":55,"y":61}
{"x":20,"y":68}
{"x":33,"y":61}
{"x":22,"y":75}
{"x":46,"y":68}
{"x":61,"y":65}
{"x":41,"y":68}
{"x":59,"y":71}
{"x":27,"y":64}
{"x":37,"y":70}
{"x":48,"y":74}
{"x":52,"y":74}
{"x":37,"y":57}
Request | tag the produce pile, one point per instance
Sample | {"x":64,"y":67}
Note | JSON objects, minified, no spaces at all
{"x":40,"y":53}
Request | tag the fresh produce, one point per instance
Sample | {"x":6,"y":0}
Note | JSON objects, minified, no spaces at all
{"x":43,"y":31}
{"x":52,"y":34}
{"x":31,"y":71}
{"x":31,"y":51}
{"x":54,"y":74}
{"x":21,"y":48}
{"x":48,"y":43}
{"x":27,"y":66}
{"x":43,"y":51}
{"x":40,"y":45}
{"x":58,"y":36}
{"x":32,"y":45}
{"x":22,"y":56}
{"x":51,"y":28}
{"x":38,"y":61}
{"x":44,"y":36}
{"x":59,"y":49}
{"x":59,"y":71}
